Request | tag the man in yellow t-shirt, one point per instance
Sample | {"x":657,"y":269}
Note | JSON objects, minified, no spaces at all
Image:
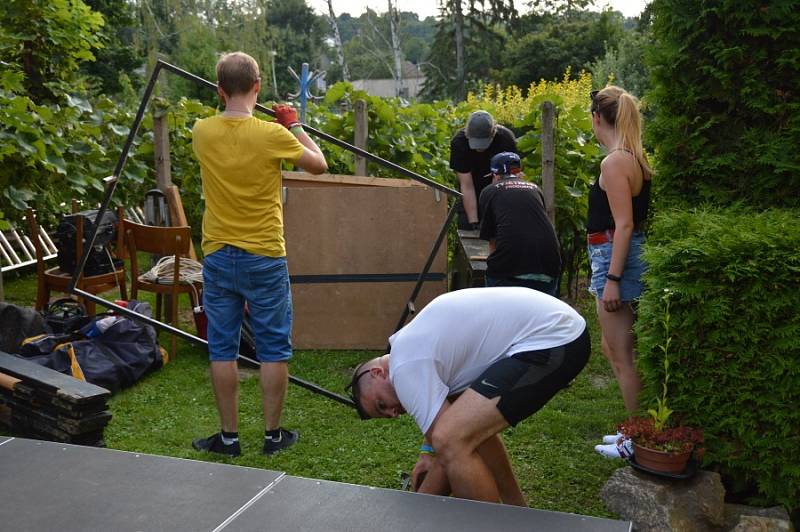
{"x":245,"y":254}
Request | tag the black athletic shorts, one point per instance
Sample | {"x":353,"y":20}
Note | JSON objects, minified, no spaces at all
{"x":526,"y":381}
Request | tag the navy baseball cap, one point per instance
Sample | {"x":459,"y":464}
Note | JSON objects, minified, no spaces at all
{"x":505,"y":163}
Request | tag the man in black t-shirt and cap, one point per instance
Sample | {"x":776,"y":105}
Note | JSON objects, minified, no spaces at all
{"x":471,"y":149}
{"x":523,"y":247}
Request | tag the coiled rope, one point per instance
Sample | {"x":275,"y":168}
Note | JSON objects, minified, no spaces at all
{"x":190,"y":272}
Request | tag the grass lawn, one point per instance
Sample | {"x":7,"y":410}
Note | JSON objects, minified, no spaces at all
{"x":552,"y":452}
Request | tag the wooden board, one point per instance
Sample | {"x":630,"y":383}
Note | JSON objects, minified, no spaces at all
{"x":177,"y":214}
{"x":8,"y":382}
{"x":67,"y":425}
{"x":45,"y":399}
{"x":378,"y":235}
{"x":67,"y":388}
{"x":306,"y":180}
{"x":364,"y":230}
{"x":469,"y":262}
{"x":352,"y":315}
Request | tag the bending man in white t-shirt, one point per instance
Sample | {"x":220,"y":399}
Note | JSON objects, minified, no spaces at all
{"x":469,"y":365}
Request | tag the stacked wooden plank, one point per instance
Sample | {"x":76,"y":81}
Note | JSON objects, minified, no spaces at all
{"x":41,"y":403}
{"x":469,"y":262}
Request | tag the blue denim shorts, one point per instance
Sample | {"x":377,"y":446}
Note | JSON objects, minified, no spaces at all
{"x":231,"y":277}
{"x":600,"y":257}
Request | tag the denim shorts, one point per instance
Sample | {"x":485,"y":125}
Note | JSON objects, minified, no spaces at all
{"x":231,"y":277}
{"x":600,"y":257}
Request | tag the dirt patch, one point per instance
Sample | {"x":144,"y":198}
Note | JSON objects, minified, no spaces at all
{"x":600,"y":381}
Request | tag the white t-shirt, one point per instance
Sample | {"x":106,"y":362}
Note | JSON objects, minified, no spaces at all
{"x":460,"y":334}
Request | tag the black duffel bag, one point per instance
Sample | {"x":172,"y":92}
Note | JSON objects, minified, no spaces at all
{"x":111,"y":351}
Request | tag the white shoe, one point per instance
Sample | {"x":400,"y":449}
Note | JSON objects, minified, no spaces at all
{"x":612,"y":438}
{"x":623,"y":449}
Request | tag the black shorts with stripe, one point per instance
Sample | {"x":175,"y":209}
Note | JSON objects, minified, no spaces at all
{"x":526,"y":381}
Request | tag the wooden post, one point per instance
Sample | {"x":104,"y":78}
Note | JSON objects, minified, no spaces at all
{"x":361,"y":133}
{"x":177,"y":214}
{"x":161,"y":144}
{"x":548,"y":160}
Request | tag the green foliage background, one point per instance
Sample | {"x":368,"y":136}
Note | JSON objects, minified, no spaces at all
{"x":734,"y":278}
{"x":726,"y":99}
{"x":725,"y":237}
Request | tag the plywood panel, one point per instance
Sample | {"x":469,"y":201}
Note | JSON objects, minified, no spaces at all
{"x":362,"y":230}
{"x":339,"y":226}
{"x":352,"y":315}
{"x":306,"y":180}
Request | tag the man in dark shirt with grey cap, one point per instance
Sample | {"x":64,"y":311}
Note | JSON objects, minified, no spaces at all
{"x":471,"y":149}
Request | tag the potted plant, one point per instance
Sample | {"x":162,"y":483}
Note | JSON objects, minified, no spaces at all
{"x":659,"y":445}
{"x":665,"y":449}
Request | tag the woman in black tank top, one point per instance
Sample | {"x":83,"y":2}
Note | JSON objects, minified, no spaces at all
{"x":618,"y":204}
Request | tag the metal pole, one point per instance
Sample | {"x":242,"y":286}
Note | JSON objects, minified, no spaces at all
{"x":273,"y":53}
{"x":200,"y":342}
{"x":324,"y":136}
{"x":114,"y":177}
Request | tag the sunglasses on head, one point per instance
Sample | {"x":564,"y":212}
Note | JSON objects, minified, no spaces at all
{"x":595,"y":104}
{"x":355,"y":394}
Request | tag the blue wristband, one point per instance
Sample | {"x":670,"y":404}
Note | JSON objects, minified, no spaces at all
{"x":427,"y":449}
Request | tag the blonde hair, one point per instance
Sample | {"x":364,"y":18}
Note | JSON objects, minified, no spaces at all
{"x":620,"y":108}
{"x":237,"y":72}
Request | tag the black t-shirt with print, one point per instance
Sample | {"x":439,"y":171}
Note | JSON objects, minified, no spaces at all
{"x":525,"y":241}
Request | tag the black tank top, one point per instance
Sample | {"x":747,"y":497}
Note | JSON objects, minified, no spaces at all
{"x":600,"y":218}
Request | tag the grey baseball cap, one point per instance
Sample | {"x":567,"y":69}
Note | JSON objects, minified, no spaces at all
{"x":480,"y":130}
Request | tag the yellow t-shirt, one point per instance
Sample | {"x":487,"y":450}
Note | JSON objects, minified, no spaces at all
{"x":240,"y":166}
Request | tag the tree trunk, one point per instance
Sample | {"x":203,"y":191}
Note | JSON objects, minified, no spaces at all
{"x":397,"y":53}
{"x":458,"y":20}
{"x":548,"y":159}
{"x":337,"y":39}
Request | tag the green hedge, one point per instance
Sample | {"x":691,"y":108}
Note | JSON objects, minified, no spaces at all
{"x":734,"y":276}
{"x":726,"y":99}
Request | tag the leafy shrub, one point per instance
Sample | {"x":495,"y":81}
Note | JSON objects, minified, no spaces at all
{"x":50,"y":154}
{"x":734,"y":277}
{"x":415,"y":136}
{"x":727,"y":101}
{"x":57,"y":144}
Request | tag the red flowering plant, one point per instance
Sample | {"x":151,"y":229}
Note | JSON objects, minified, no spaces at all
{"x":655,"y":432}
{"x":643,"y":431}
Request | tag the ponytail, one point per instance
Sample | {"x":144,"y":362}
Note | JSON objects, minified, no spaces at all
{"x":621,"y":109}
{"x":629,"y":128}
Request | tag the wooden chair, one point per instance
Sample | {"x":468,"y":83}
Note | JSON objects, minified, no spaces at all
{"x":164,"y":241}
{"x":53,"y":279}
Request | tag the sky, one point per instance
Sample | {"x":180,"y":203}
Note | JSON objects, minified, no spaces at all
{"x":425,"y":8}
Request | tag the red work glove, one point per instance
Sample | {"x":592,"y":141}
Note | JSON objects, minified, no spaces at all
{"x":286,"y":115}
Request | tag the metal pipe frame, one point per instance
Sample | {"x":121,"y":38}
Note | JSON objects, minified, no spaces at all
{"x":113,"y":179}
{"x":203,"y":343}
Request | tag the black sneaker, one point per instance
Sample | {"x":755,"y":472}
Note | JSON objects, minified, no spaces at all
{"x":214,"y":444}
{"x":288,"y":438}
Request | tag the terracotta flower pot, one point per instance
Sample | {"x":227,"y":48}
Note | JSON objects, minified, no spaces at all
{"x":662,"y":461}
